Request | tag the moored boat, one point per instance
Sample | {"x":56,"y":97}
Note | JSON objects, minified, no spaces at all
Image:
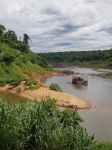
{"x":79,"y":79}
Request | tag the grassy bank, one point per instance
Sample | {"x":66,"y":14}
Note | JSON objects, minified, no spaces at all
{"x":41,"y":126}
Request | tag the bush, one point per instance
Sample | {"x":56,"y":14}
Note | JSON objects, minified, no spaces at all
{"x":15,"y":79}
{"x":2,"y":83}
{"x":30,"y":82}
{"x":18,"y":90}
{"x":11,"y":79}
{"x":55,"y":87}
{"x":33,"y":87}
{"x":41,"y":126}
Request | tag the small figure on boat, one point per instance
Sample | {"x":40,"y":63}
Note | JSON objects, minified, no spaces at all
{"x":79,"y":79}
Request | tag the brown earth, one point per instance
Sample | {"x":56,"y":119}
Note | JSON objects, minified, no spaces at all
{"x":52,"y":73}
{"x":62,"y":99}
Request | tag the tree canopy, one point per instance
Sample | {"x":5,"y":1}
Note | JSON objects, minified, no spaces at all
{"x":9,"y":37}
{"x":95,"y":57}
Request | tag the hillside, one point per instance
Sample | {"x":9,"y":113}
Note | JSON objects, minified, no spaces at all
{"x":17,"y":61}
{"x":80,"y":58}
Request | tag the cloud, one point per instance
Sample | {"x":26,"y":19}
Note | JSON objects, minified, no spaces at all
{"x":51,"y":10}
{"x":59,"y":25}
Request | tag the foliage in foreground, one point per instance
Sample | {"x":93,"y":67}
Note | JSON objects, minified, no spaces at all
{"x":41,"y":126}
{"x":104,"y":146}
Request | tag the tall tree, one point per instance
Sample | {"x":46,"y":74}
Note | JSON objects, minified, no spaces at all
{"x":2,"y":29}
{"x":26,"y":39}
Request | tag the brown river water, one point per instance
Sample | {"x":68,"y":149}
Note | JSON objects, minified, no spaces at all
{"x":98,"y":92}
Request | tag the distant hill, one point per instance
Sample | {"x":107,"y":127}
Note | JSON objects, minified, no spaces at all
{"x":81,"y":58}
{"x":16,"y":58}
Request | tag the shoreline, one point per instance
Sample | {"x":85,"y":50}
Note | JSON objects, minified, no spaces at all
{"x":62,"y":99}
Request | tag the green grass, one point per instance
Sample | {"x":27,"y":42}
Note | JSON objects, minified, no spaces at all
{"x":42,"y":126}
{"x":104,"y":145}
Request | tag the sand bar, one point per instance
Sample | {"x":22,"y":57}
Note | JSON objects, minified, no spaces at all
{"x":62,"y":99}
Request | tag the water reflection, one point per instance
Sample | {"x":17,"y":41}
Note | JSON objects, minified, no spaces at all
{"x":12,"y":98}
{"x":79,"y":86}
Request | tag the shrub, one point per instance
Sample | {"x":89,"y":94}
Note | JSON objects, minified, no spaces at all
{"x":18,"y":90}
{"x":55,"y":87}
{"x":2,"y":83}
{"x":15,"y":79}
{"x":30,"y":82}
{"x":33,"y":87}
{"x":11,"y":79}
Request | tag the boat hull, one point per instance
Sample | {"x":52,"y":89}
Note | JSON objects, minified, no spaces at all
{"x":80,"y":82}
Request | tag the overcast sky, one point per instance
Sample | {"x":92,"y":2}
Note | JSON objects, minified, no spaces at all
{"x":60,"y":25}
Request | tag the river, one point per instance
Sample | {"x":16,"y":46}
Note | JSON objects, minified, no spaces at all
{"x":13,"y":99}
{"x":98,"y":92}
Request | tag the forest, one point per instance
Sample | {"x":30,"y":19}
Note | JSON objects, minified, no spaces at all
{"x":94,"y":58}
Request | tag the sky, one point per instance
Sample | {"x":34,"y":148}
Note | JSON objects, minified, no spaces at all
{"x":60,"y":25}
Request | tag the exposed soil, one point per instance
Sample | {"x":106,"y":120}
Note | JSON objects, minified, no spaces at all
{"x":62,"y":99}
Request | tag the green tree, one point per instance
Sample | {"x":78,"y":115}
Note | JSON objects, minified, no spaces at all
{"x":26,"y":39}
{"x":12,"y":35}
{"x":2,"y":29}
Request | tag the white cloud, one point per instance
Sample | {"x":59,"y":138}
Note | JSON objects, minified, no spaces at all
{"x":59,"y":25}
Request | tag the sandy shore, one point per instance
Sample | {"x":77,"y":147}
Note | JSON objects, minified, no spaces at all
{"x":62,"y":99}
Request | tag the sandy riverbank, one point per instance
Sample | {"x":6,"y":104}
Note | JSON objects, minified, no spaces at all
{"x":63,"y":99}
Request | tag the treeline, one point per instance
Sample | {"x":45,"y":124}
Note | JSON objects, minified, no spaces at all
{"x":98,"y":58}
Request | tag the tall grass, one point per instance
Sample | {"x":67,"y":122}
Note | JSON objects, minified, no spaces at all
{"x":104,"y":145}
{"x":41,"y":126}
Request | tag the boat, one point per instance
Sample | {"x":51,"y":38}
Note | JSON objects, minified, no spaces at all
{"x":79,"y":79}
